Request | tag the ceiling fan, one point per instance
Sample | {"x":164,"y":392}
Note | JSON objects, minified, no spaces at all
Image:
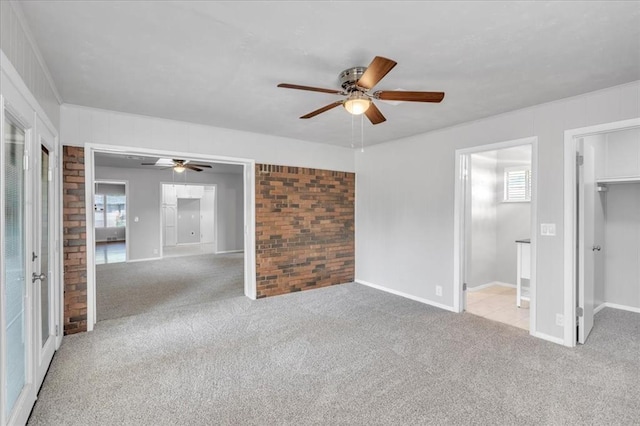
{"x":357,"y":83}
{"x":178,"y":166}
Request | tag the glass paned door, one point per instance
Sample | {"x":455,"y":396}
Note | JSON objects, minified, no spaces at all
{"x":42,"y":260}
{"x":13,"y":258}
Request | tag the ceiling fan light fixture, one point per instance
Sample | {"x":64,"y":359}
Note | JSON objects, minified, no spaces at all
{"x":357,"y":103}
{"x":179,"y":168}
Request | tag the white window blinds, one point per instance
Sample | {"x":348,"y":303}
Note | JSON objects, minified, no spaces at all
{"x":517,"y":184}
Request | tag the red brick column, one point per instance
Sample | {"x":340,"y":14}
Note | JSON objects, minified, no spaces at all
{"x":304,"y":228}
{"x":75,"y":241}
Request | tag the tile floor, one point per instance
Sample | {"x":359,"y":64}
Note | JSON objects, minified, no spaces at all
{"x":498,"y":303}
{"x":112,"y":252}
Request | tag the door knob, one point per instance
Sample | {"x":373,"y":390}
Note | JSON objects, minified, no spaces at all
{"x":35,"y":277}
{"x":594,"y":248}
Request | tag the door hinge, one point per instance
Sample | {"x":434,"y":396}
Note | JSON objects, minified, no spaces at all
{"x":49,"y":175}
{"x":57,"y":330}
{"x":580,"y":312}
{"x":25,"y":162}
{"x":580,"y":160}
{"x":464,"y":286}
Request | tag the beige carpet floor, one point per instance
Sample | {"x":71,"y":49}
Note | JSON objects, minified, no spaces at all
{"x":342,"y":355}
{"x":125,"y":289}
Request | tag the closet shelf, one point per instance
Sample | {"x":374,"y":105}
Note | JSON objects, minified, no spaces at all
{"x":623,"y":179}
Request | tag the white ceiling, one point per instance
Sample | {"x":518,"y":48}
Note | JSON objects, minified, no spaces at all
{"x":130,"y":161}
{"x":218,"y":63}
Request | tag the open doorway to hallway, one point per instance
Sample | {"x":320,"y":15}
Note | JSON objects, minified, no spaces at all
{"x":496,"y":195}
{"x":184,"y":238}
{"x":110,"y":221}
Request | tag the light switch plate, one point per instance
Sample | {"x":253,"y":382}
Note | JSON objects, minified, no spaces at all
{"x":548,"y":229}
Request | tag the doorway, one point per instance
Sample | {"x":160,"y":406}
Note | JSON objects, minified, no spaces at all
{"x":110,"y":221}
{"x":602,"y":232}
{"x":495,"y":240}
{"x":146,"y":171}
{"x":188,"y":219}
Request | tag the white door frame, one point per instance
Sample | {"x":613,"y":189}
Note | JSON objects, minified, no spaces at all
{"x":126,"y":200}
{"x":570,"y":217}
{"x":459,"y":242}
{"x":90,"y":149}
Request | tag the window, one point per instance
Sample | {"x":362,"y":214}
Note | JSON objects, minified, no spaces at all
{"x":109,"y":211}
{"x":517,"y":184}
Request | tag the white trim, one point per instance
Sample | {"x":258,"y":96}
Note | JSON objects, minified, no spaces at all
{"x":17,"y":8}
{"x":487,"y":285}
{"x":599,"y":308}
{"x":570,"y":213}
{"x":250,"y":285}
{"x":458,"y":243}
{"x":406,"y":295}
{"x":14,"y":77}
{"x":616,"y":306}
{"x":144,"y":260}
{"x":552,"y":339}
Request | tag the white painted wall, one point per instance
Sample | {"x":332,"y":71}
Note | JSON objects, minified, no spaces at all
{"x":144,"y":202}
{"x":482,"y":236}
{"x":405,"y":197}
{"x":16,"y":43}
{"x":80,"y":125}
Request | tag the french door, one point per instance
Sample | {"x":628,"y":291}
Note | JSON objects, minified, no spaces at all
{"x":30,"y":292}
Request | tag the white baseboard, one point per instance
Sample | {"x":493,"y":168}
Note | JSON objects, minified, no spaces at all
{"x":405,"y":295}
{"x":230,"y":251}
{"x":487,"y":285}
{"x":548,"y":338}
{"x":616,"y":306}
{"x":143,"y":260}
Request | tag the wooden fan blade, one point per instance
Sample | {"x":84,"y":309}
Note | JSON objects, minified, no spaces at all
{"x":206,"y":166}
{"x":309,"y":88}
{"x":323,"y":109}
{"x":376,"y":71}
{"x":374,"y":115}
{"x":398,"y":95}
{"x":190,"y":167}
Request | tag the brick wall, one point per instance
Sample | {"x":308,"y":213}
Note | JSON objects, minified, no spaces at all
{"x":304,"y":228}
{"x":74,"y":240}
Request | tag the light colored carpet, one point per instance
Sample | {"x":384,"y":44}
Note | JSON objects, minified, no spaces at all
{"x":338,"y":355}
{"x":124,"y":289}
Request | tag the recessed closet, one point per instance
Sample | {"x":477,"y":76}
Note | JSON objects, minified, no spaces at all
{"x":610,"y":222}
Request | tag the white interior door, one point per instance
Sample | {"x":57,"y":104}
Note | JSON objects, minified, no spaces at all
{"x":587,"y":245}
{"x":43,"y":258}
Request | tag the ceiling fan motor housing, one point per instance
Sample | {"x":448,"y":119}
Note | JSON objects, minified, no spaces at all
{"x":350,"y":76}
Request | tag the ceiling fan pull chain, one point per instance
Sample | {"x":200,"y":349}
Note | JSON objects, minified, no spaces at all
{"x":362,"y":133}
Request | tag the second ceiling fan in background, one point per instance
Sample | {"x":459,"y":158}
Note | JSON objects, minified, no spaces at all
{"x":357,"y":83}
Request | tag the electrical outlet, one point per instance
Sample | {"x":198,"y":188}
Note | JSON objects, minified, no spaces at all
{"x":155,"y":251}
{"x":560,"y":320}
{"x":438,"y":290}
